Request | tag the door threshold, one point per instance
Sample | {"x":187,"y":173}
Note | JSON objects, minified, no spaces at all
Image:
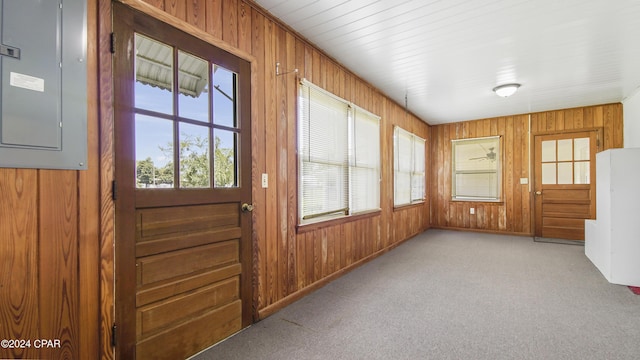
{"x":558,"y":241}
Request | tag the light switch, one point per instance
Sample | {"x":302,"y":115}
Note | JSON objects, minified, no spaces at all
{"x":472,"y":211}
{"x":265,"y":181}
{"x":524,"y":181}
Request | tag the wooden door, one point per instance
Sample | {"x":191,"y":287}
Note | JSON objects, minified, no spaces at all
{"x":183,"y":190}
{"x":564,"y":184}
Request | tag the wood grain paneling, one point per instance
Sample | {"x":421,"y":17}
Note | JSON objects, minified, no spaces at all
{"x":155,"y":222}
{"x":186,"y":283}
{"x":177,"y":8}
{"x":89,"y":206}
{"x":196,"y":13}
{"x":106,"y":158}
{"x":159,"y":315}
{"x":514,"y":213}
{"x":187,"y":338}
{"x":19,"y":310}
{"x":258,"y":143}
{"x":161,"y":267}
{"x":58,"y":252}
{"x":40,"y":262}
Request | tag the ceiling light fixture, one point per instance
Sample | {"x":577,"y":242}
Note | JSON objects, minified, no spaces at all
{"x":506,"y":90}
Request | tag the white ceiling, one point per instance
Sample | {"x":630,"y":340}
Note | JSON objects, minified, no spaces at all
{"x":448,"y":55}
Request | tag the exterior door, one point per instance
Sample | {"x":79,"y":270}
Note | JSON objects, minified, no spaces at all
{"x":183,"y":190}
{"x":564,"y":184}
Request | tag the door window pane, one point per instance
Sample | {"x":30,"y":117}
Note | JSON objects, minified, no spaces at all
{"x":581,"y":149}
{"x":582,"y":173}
{"x":549,"y":151}
{"x":189,"y":134}
{"x":194,"y":156}
{"x":193,"y":81}
{"x":224,"y":97}
{"x":154,"y":152}
{"x":549,"y":173}
{"x":225,"y":158}
{"x":154,"y":75}
{"x":565,"y":152}
{"x":565,"y":173}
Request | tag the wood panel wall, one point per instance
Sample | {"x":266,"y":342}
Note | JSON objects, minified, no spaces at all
{"x":514,"y":214}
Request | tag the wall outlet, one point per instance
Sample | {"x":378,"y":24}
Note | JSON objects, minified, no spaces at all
{"x":265,"y":181}
{"x":472,"y":211}
{"x":524,"y":181}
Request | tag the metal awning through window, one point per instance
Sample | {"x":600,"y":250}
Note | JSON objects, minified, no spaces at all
{"x":154,"y":67}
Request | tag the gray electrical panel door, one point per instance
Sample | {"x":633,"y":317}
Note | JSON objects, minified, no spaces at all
{"x":43,"y":86}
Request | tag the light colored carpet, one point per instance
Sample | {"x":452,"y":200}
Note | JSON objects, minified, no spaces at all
{"x":455,"y":295}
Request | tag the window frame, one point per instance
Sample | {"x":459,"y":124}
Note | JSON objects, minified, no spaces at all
{"x":397,"y":131}
{"x":498,"y":171}
{"x":350,"y":166}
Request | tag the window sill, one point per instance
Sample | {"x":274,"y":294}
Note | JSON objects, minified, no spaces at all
{"x":489,"y":201}
{"x":408,"y":206}
{"x":303,"y":228}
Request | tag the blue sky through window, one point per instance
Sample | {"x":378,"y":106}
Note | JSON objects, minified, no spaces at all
{"x":154,"y":133}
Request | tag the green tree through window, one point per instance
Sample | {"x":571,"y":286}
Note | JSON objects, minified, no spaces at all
{"x":194,"y":165}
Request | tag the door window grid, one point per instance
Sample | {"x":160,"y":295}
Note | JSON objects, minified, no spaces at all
{"x":566,"y":161}
{"x":195,"y":115}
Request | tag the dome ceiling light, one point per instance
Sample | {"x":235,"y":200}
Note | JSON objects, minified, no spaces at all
{"x":506,"y":90}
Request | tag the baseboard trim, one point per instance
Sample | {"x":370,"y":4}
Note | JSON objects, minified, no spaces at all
{"x":497,"y":232}
{"x":558,"y":241}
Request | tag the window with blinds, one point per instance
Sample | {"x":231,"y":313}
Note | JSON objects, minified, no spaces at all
{"x":339,"y":156}
{"x":409,"y":167}
{"x":476,"y":169}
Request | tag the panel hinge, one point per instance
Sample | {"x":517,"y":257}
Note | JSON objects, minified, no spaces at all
{"x":113,"y":43}
{"x":114,"y":190}
{"x":114,"y":330}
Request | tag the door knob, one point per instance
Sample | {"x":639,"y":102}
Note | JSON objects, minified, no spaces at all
{"x":247,"y":207}
{"x":538,"y":192}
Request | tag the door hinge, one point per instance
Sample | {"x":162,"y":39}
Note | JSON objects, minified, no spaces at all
{"x":113,"y":43}
{"x":114,"y":331}
{"x":114,"y":190}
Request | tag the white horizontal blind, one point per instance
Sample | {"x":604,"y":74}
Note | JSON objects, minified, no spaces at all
{"x":409,"y":167}
{"x":417,"y":176}
{"x":402,"y":163}
{"x":476,"y":169}
{"x":324,"y":153}
{"x":339,"y":156}
{"x":365,"y":161}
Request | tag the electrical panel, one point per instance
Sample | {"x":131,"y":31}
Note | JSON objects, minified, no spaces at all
{"x":43,"y":115}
